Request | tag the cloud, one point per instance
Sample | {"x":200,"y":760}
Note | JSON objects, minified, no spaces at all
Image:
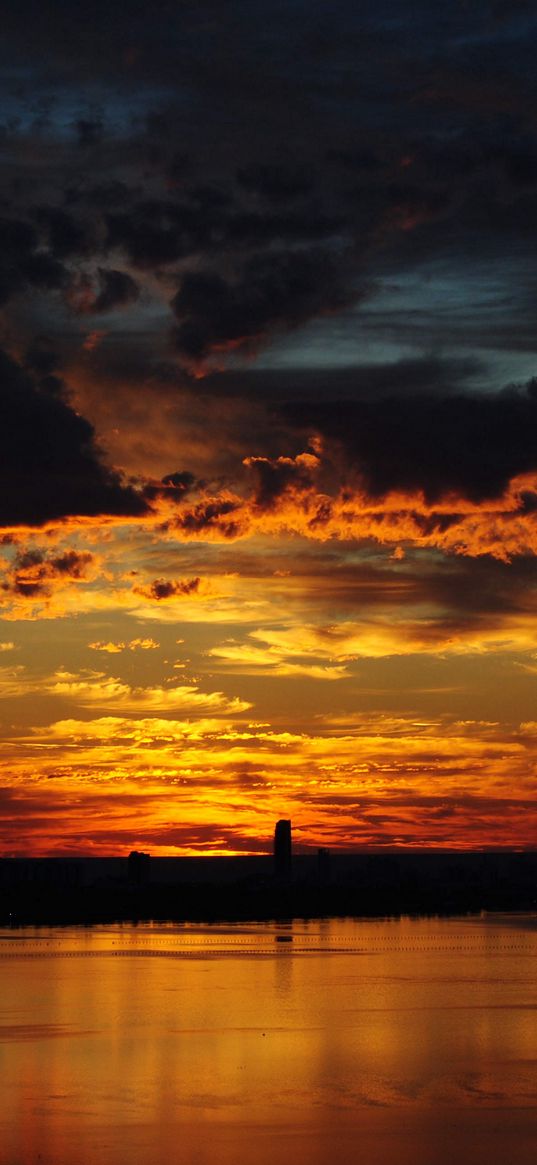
{"x":277,"y":476}
{"x":164,"y":588}
{"x":51,"y":466}
{"x":182,"y":481}
{"x":308,"y":495}
{"x":273,"y":659}
{"x":143,"y":732}
{"x":23,"y":266}
{"x":273,"y":291}
{"x":468,"y":445}
{"x":92,"y":340}
{"x":274,"y":183}
{"x":97,"y":689}
{"x":328,"y":651}
{"x":419,"y":376}
{"x":338,"y":212}
{"x":35,"y":574}
{"x":14,"y":682}
{"x":153,"y":233}
{"x":89,"y":131}
{"x":66,"y":236}
{"x":113,"y":648}
{"x":104,"y":292}
{"x":371,"y":778}
{"x":378,"y":173}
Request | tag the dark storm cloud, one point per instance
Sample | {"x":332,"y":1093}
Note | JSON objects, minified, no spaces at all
{"x":293,"y":126}
{"x":274,"y":183}
{"x":65,"y":235}
{"x":50,"y":464}
{"x":100,"y":197}
{"x":101,"y":291}
{"x":89,"y":131}
{"x":41,"y":357}
{"x":116,"y":289}
{"x":271,"y":167}
{"x":272,"y":291}
{"x":151,"y":234}
{"x":420,"y":376}
{"x":471,"y":445}
{"x":23,"y":266}
{"x":158,"y":232}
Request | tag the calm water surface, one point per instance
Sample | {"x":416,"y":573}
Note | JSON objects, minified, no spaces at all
{"x":388,"y":1043}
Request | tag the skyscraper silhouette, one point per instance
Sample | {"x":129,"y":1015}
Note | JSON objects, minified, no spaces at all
{"x":282,"y":849}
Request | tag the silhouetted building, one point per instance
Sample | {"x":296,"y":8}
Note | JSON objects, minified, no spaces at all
{"x":324,"y":871}
{"x":138,"y":868}
{"x":282,"y":849}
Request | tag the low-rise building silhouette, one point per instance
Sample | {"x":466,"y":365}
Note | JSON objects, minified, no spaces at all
{"x":324,"y":868}
{"x":138,"y":868}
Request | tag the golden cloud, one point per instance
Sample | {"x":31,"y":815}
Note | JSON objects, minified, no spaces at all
{"x":369,"y":779}
{"x":97,"y":689}
{"x":114,"y":648}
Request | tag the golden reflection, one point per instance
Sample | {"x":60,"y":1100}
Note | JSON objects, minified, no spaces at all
{"x":130,"y":1040}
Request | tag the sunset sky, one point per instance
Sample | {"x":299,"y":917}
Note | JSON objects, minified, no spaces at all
{"x":268,"y":376}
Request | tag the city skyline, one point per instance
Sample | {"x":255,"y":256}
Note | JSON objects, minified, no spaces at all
{"x":268,"y":387}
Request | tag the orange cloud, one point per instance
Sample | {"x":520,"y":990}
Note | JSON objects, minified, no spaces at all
{"x":502,"y":527}
{"x":113,"y":648}
{"x":290,"y":497}
{"x":359,"y":780}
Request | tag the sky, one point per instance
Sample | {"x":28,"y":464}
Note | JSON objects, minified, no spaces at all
{"x":268,"y":398}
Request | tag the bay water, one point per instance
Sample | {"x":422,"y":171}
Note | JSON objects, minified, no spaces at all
{"x":389,"y":1042}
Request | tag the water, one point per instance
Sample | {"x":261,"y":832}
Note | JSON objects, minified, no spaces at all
{"x":382,"y":1042}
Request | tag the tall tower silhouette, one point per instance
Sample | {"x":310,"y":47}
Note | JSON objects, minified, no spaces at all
{"x":282,"y":849}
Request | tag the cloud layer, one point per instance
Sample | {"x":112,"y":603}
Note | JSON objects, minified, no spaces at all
{"x":269,"y":423}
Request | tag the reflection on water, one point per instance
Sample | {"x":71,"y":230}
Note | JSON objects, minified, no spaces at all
{"x":407,"y":1041}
